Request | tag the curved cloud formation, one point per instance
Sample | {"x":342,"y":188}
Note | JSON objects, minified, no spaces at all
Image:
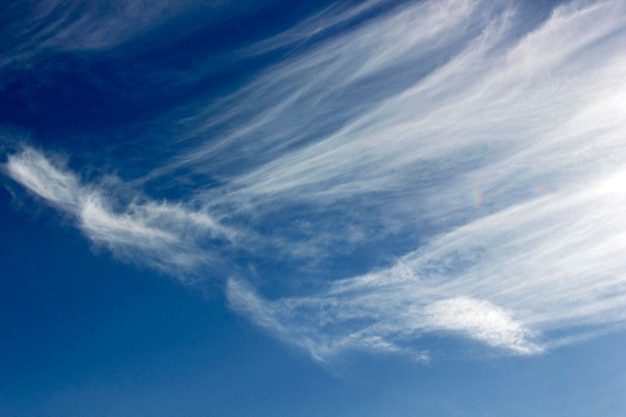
{"x":538,"y":268}
{"x":490,"y":139}
{"x":162,"y":235}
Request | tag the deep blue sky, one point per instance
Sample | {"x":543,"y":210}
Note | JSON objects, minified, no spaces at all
{"x":342,"y":209}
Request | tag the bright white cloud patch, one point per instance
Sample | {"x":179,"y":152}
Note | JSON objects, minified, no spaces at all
{"x":480,"y":320}
{"x":496,"y":141}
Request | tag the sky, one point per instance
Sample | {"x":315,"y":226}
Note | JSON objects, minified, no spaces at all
{"x":315,"y":208}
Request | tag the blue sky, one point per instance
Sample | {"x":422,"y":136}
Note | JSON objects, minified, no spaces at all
{"x":373,"y":208}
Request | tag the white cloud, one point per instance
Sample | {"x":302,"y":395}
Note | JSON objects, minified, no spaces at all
{"x":38,"y":27}
{"x":480,"y":320}
{"x":300,"y":99}
{"x":37,"y":174}
{"x":539,"y":268}
{"x":392,"y":126}
{"x":165,"y":236}
{"x":492,"y":93}
{"x":534,"y":124}
{"x":381,"y":320}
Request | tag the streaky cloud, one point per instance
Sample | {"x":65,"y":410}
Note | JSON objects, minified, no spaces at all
{"x":536,"y":123}
{"x":66,"y":26}
{"x":491,"y":141}
{"x":297,"y":102}
{"x":166,"y":236}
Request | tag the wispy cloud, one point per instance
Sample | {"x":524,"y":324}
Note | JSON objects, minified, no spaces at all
{"x":163,"y":235}
{"x":305,"y":98}
{"x":534,"y":126}
{"x":52,"y":26}
{"x":510,"y":280}
{"x":491,"y":139}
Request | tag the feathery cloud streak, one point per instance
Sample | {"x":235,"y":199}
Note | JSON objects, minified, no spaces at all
{"x":165,"y":236}
{"x":33,"y":29}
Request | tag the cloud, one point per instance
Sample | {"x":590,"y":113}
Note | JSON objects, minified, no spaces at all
{"x":43,"y":27}
{"x":535,"y":270}
{"x":516,"y":280}
{"x":444,"y":169}
{"x":378,"y":320}
{"x":485,"y":92}
{"x":480,"y":320}
{"x":298,"y":101}
{"x":166,"y":236}
{"x":535,"y":125}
